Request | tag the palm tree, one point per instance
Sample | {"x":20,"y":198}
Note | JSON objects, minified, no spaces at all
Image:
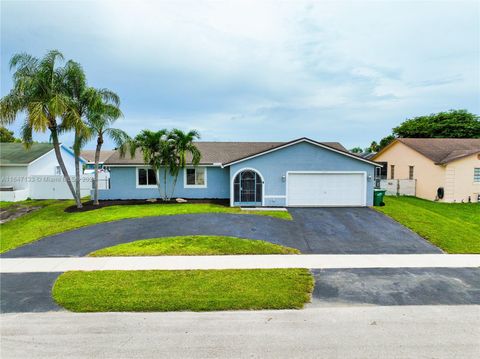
{"x":152,"y":145}
{"x":183,"y":144}
{"x":38,"y":89}
{"x":101,"y":114}
{"x":76,"y":87}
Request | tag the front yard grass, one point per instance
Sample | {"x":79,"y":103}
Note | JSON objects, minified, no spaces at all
{"x":52,"y":219}
{"x":454,"y":227}
{"x":183,"y":290}
{"x":193,"y":246}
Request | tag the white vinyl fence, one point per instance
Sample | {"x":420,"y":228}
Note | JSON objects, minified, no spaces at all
{"x":56,"y":187}
{"x":398,"y":187}
{"x":48,"y":187}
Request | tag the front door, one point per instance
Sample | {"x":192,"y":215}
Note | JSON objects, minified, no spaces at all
{"x":247,"y":188}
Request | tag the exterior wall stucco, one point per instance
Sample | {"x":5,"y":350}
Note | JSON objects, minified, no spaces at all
{"x":46,"y":164}
{"x":13,"y":176}
{"x":462,"y":187}
{"x":123,"y":185}
{"x":428,"y":175}
{"x":300,"y":157}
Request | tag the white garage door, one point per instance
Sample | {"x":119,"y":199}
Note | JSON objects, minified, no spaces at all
{"x":326,"y":189}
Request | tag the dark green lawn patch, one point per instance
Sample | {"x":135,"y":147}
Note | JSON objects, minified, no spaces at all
{"x":183,"y":290}
{"x":454,"y":227}
{"x":193,"y":246}
{"x":52,"y":218}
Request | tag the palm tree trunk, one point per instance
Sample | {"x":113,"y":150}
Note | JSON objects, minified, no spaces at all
{"x":157,"y":177}
{"x":97,"y":160}
{"x":58,"y":154}
{"x":165,"y":183}
{"x":175,"y":178}
{"x":77,"y":167}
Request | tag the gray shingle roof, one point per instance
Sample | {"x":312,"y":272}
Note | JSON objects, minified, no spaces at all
{"x":217,"y":152}
{"x":443,"y":150}
{"x":89,"y":155}
{"x":17,"y":154}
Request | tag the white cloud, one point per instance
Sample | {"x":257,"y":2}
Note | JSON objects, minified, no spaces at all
{"x":265,"y":69}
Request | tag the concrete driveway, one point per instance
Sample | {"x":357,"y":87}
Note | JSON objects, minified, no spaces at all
{"x":313,"y":230}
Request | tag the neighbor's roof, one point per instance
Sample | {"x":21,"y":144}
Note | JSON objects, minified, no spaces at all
{"x":221,"y":152}
{"x":441,"y":150}
{"x":17,"y":154}
{"x":89,"y":155}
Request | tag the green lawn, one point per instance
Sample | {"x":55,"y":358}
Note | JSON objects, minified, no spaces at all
{"x":454,"y":227}
{"x":182,"y":290}
{"x":193,"y":246}
{"x":51,"y":219}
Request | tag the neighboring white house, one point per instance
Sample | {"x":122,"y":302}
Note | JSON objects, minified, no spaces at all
{"x":35,"y":173}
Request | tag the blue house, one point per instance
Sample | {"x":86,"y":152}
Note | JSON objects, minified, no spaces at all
{"x":301,"y":172}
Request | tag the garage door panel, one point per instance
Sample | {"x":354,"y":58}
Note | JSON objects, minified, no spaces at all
{"x":326,"y":189}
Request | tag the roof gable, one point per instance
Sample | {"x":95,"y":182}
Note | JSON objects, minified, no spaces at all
{"x":89,"y":155}
{"x":17,"y":154}
{"x":307,"y":140}
{"x":217,"y":153}
{"x":439,"y":150}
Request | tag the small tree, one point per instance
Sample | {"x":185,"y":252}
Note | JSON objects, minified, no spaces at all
{"x":356,"y":150}
{"x":75,"y":86}
{"x":152,"y":146}
{"x":384,"y":142}
{"x":167,"y":151}
{"x":101,"y":114}
{"x":7,"y":135}
{"x":183,"y":145}
{"x":38,"y":90}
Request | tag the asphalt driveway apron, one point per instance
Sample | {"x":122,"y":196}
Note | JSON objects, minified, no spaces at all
{"x":313,"y":230}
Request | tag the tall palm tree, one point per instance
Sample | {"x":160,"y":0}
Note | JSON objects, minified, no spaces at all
{"x":38,"y":90}
{"x":102,"y":113}
{"x":183,"y":144}
{"x":81,"y":95}
{"x":153,"y":147}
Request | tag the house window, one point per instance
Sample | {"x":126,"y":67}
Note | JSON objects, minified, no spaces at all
{"x":392,"y":171}
{"x":410,"y":172}
{"x":476,"y":174}
{"x":195,"y":177}
{"x":146,"y":177}
{"x":58,"y":171}
{"x":383,"y":170}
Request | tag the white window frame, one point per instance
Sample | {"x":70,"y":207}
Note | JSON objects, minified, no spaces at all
{"x":185,"y":185}
{"x":138,"y":185}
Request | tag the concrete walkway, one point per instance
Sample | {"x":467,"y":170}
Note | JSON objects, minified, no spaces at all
{"x":312,"y":261}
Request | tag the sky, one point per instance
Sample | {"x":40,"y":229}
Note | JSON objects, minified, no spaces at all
{"x":346,"y":71}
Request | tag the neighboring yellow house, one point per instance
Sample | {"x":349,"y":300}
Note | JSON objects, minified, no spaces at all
{"x":448,"y":166}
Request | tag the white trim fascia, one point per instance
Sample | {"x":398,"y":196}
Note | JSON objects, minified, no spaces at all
{"x":275,"y":196}
{"x":139,"y":186}
{"x":296,"y":142}
{"x":365,"y":181}
{"x":185,"y":185}
{"x":15,"y":165}
{"x":232,"y":180}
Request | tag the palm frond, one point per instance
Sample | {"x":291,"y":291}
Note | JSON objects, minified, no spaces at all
{"x":27,"y":137}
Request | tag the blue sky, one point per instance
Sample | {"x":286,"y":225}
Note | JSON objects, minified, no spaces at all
{"x":343,"y":71}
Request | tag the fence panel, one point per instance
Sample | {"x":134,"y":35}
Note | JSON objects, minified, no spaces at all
{"x":56,"y":187}
{"x":395,"y":187}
